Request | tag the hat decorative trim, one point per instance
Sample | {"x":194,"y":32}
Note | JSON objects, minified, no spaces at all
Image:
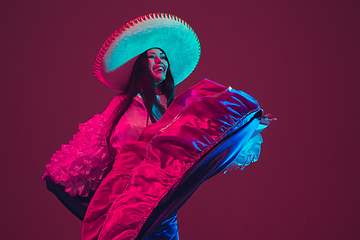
{"x":114,"y":62}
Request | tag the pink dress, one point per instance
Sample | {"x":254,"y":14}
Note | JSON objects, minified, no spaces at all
{"x":150,"y":160}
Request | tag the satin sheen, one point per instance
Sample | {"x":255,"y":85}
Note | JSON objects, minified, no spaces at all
{"x":145,"y":170}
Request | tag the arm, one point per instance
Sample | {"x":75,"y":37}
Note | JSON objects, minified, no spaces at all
{"x":81,"y":165}
{"x":251,"y":151}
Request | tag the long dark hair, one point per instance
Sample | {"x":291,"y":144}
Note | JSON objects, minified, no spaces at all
{"x":142,"y":82}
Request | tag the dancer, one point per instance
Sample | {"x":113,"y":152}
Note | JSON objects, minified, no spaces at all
{"x":124,"y":161}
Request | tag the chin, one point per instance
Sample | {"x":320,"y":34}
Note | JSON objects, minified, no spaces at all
{"x":159,"y":80}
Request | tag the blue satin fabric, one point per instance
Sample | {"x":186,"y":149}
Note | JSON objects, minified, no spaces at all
{"x":168,"y":230}
{"x":214,"y":162}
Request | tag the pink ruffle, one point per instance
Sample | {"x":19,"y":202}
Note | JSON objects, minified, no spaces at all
{"x":83,"y":163}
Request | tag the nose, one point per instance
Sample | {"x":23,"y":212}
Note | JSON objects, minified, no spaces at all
{"x":157,"y":59}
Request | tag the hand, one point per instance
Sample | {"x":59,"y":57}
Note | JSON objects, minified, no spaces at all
{"x":266,"y":119}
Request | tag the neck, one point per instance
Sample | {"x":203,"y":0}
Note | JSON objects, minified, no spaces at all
{"x":158,"y":92}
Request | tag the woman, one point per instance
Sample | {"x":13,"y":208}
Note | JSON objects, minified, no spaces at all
{"x":135,"y":152}
{"x":142,"y":74}
{"x":147,"y":97}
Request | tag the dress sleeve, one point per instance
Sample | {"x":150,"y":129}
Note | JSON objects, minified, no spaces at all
{"x":84,"y":162}
{"x":250,"y":153}
{"x":131,"y":124}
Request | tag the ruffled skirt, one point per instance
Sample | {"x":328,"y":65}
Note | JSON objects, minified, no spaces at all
{"x":193,"y":140}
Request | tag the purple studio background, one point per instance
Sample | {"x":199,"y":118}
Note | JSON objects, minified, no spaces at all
{"x":300,"y":60}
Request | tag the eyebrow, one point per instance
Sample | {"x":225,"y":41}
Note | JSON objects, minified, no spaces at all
{"x":152,"y":53}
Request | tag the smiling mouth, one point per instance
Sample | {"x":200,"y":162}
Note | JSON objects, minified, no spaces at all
{"x":159,"y":69}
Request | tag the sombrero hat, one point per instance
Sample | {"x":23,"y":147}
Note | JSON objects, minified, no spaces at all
{"x":116,"y":58}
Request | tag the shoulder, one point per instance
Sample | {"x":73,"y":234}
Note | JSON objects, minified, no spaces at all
{"x":113,"y":104}
{"x":138,"y":102}
{"x":137,"y":108}
{"x":117,"y":100}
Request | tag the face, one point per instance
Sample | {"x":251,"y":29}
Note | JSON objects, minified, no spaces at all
{"x":158,"y":65}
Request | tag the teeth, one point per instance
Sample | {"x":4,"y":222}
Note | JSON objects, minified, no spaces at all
{"x":159,"y":69}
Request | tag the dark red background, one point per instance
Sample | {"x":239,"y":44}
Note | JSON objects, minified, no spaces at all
{"x":299,"y":59}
